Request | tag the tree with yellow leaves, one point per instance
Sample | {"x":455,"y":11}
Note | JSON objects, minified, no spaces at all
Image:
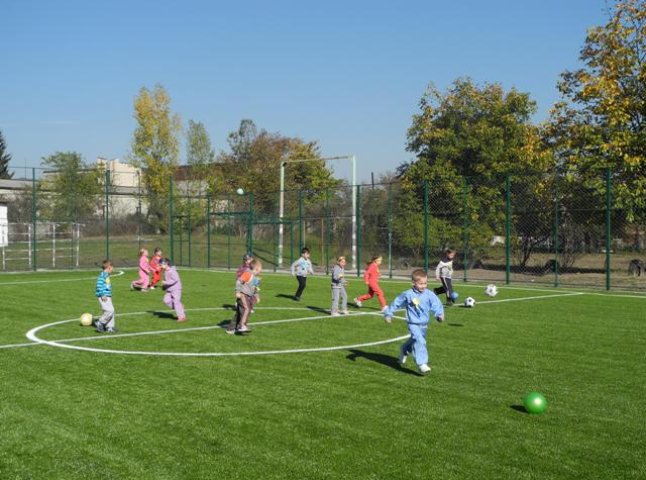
{"x":600,"y":122}
{"x":155,"y":148}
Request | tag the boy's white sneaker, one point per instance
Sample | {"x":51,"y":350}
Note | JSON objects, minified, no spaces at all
{"x":357,"y":302}
{"x":402,"y":355}
{"x":383,"y":309}
{"x":424,"y":369}
{"x":346,"y":312}
{"x":335,"y":314}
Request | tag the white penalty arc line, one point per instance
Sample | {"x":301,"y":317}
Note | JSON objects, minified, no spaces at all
{"x":39,"y":341}
{"x":118,"y":274}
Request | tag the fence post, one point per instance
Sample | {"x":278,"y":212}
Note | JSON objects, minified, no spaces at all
{"x":250,"y":217}
{"x":507,"y":229}
{"x":229,"y":228}
{"x":390,"y":230}
{"x":359,"y":230}
{"x":34,"y":219}
{"x":608,"y":225}
{"x":190,"y":245}
{"x":171,"y":219}
{"x":328,"y":233}
{"x":426,"y":225}
{"x":465,"y":233}
{"x":556,"y":229}
{"x":107,"y":212}
{"x":208,"y":231}
{"x":300,"y":220}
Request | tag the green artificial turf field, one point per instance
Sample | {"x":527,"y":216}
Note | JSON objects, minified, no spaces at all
{"x":306,"y":395}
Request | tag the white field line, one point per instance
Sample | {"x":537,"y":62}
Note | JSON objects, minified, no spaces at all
{"x":180,"y":330}
{"x":32,"y":336}
{"x":530,"y":298}
{"x":118,"y":274}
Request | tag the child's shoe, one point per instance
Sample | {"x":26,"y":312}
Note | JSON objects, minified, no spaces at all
{"x":181,"y":319}
{"x":298,"y":299}
{"x":112,"y":330}
{"x":402,"y":354}
{"x":357,"y":302}
{"x":335,"y":314}
{"x":346,"y":312}
{"x":383,"y":309}
{"x":99,"y":327}
{"x":152,"y":287}
{"x":424,"y":369}
{"x":244,"y":329}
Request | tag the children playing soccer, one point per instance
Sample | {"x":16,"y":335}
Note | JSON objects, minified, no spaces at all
{"x":172,"y":285}
{"x":144,"y":269}
{"x":419,"y":303}
{"x":247,"y":287}
{"x":371,"y":278}
{"x":444,"y":274}
{"x":155,"y":269}
{"x":338,"y":288}
{"x":105,"y":323}
{"x":301,"y":268}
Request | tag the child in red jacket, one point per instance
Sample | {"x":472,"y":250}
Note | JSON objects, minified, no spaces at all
{"x":371,"y":277}
{"x":155,"y":268}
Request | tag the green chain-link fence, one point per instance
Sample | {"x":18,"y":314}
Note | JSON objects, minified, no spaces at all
{"x":544,"y":229}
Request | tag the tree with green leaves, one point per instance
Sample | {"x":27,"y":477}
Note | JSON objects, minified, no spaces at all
{"x":155,"y":149}
{"x":205,"y":176}
{"x":76,"y":188}
{"x":601,"y":120}
{"x":254,"y":165}
{"x":466,"y":140}
{"x":5,"y":158}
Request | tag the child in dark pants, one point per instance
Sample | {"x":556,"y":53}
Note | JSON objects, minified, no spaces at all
{"x":444,"y":274}
{"x":301,"y":268}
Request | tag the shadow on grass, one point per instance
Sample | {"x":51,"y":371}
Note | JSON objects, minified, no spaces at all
{"x":228,"y":306}
{"x":318,"y":309}
{"x":282,"y":295}
{"x":386,"y":360}
{"x":454,"y":324}
{"x":519,"y":408}
{"x":159,"y":314}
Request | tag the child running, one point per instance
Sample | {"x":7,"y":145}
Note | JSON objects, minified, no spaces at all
{"x":444,"y":274}
{"x":419,"y":304}
{"x":371,"y":278}
{"x":105,"y":323}
{"x":247,"y":258}
{"x":338,"y":288}
{"x":155,"y":269}
{"x":172,"y":285}
{"x":247,"y":287}
{"x":301,"y":268}
{"x":144,"y":268}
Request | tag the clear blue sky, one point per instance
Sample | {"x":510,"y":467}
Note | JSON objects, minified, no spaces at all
{"x":346,"y":73}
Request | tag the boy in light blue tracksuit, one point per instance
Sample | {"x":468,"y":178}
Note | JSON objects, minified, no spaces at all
{"x":419,"y":304}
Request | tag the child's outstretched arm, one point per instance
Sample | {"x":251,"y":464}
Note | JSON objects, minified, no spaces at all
{"x":396,"y":305}
{"x":436,"y":307}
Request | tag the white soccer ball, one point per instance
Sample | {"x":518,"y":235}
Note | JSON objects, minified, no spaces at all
{"x":469,"y":302}
{"x":491,"y":290}
{"x":240,"y":191}
{"x":86,"y":319}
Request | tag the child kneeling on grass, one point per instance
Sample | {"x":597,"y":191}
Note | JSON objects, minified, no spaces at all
{"x":172,"y":285}
{"x":419,"y":303}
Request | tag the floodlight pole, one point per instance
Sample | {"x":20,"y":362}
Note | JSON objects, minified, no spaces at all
{"x":281,"y":207}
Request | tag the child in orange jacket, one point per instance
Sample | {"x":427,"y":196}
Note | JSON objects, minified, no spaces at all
{"x":371,"y":277}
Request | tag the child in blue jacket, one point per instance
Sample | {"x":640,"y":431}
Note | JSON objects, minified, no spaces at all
{"x":419,"y":304}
